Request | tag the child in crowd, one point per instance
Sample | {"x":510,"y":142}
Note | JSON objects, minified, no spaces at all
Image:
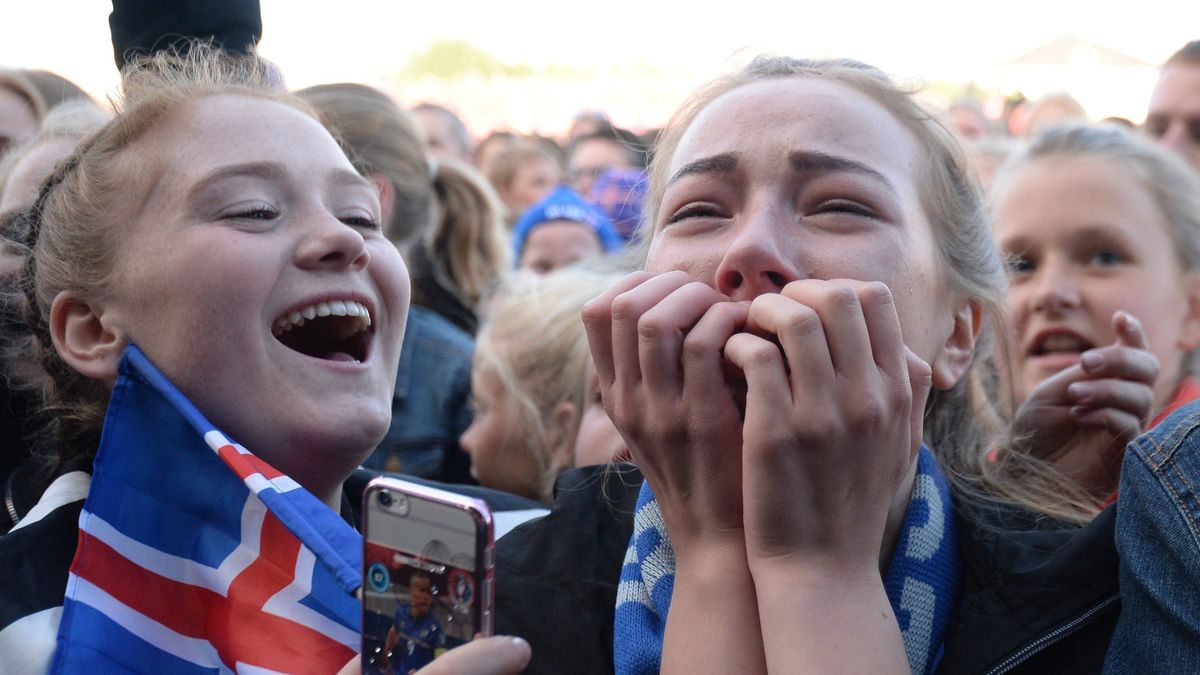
{"x":562,"y":229}
{"x":530,"y":383}
{"x":793,"y":371}
{"x":174,"y":267}
{"x":523,"y":175}
{"x":1102,"y":232}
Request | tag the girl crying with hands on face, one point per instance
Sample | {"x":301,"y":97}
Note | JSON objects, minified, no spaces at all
{"x":797,"y":374}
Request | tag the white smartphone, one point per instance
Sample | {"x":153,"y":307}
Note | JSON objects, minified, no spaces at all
{"x":427,"y":574}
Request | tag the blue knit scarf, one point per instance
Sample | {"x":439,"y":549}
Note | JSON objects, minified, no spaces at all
{"x":921,"y":583}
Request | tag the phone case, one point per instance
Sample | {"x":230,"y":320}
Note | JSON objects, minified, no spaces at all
{"x":427,"y":574}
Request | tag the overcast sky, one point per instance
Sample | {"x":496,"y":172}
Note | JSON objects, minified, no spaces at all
{"x":367,"y":40}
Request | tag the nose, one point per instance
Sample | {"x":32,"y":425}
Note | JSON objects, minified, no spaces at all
{"x":1055,"y":288}
{"x":762,"y":257}
{"x":466,"y":440}
{"x":331,"y":244}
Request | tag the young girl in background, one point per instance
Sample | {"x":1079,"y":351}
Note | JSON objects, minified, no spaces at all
{"x":530,"y":382}
{"x":1102,"y":233}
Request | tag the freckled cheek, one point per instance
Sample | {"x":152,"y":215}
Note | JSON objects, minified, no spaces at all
{"x":700,"y":262}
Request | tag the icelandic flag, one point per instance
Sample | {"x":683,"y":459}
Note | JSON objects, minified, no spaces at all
{"x":195,"y":556}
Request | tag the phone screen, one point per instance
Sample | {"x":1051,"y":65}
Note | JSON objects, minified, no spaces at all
{"x":424,"y":587}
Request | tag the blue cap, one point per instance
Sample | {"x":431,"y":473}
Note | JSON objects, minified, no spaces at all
{"x":565,"y":204}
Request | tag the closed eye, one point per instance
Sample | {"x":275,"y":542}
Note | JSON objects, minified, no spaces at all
{"x":846,"y":206}
{"x":698,"y":210}
{"x":254,"y":212}
{"x":365,"y":222}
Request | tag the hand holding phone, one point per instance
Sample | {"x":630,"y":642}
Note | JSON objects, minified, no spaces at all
{"x":427,"y":574}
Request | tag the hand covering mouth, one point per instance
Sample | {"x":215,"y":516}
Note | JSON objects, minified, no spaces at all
{"x":335,"y":330}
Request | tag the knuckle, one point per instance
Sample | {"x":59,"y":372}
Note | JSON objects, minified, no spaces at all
{"x":761,"y":354}
{"x":595,"y":311}
{"x":652,"y":327}
{"x":696,"y":346}
{"x":841,"y":296}
{"x":625,"y":308}
{"x":802,"y":321}
{"x":875,"y":293}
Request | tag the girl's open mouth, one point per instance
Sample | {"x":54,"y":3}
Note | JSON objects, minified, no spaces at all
{"x":338,"y":330}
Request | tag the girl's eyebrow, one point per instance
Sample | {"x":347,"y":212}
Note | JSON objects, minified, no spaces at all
{"x":801,"y":162}
{"x":723,"y":163}
{"x":264,"y":170}
{"x":273,"y":171}
{"x":821,"y":162}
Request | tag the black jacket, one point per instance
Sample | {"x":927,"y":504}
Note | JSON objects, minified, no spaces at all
{"x":556,"y":577}
{"x":1031,"y":602}
{"x":1035,"y":602}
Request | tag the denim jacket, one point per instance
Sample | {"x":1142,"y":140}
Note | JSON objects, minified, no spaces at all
{"x":1158,"y":540}
{"x":429,"y":407}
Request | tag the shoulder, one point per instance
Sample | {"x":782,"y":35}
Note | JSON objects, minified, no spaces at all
{"x":435,"y":329}
{"x":36,"y":558}
{"x":557,"y":576}
{"x":1056,"y":589}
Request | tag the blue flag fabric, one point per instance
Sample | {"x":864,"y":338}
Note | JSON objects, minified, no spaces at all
{"x":195,"y":556}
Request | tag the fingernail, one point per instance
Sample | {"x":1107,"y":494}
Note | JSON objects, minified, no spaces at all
{"x":1079,"y":411}
{"x":1079,"y":392}
{"x":1091,"y":361}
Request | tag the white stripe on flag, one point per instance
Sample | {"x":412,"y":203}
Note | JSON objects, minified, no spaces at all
{"x":185,"y":570}
{"x":216,"y":440}
{"x":246,"y":669}
{"x":192,"y":650}
{"x":258,"y":482}
{"x":286,"y":604}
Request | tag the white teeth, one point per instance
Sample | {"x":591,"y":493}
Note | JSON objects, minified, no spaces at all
{"x":1062,"y":343}
{"x":349,"y":308}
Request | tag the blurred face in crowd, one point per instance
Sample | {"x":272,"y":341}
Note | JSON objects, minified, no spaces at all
{"x":590,"y":158}
{"x":1086,"y":239}
{"x":497,"y":437}
{"x":533,"y":181}
{"x":440,"y":138}
{"x":27,"y":175}
{"x":598,"y":440}
{"x":21,"y":189}
{"x":1174,"y":114}
{"x":17,"y":119}
{"x":558,"y":243}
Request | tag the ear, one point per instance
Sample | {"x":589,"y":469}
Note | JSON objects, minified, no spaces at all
{"x":956,"y":353}
{"x":1189,"y":332}
{"x":387,"y":195}
{"x":561,"y":431}
{"x":83,"y":339}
